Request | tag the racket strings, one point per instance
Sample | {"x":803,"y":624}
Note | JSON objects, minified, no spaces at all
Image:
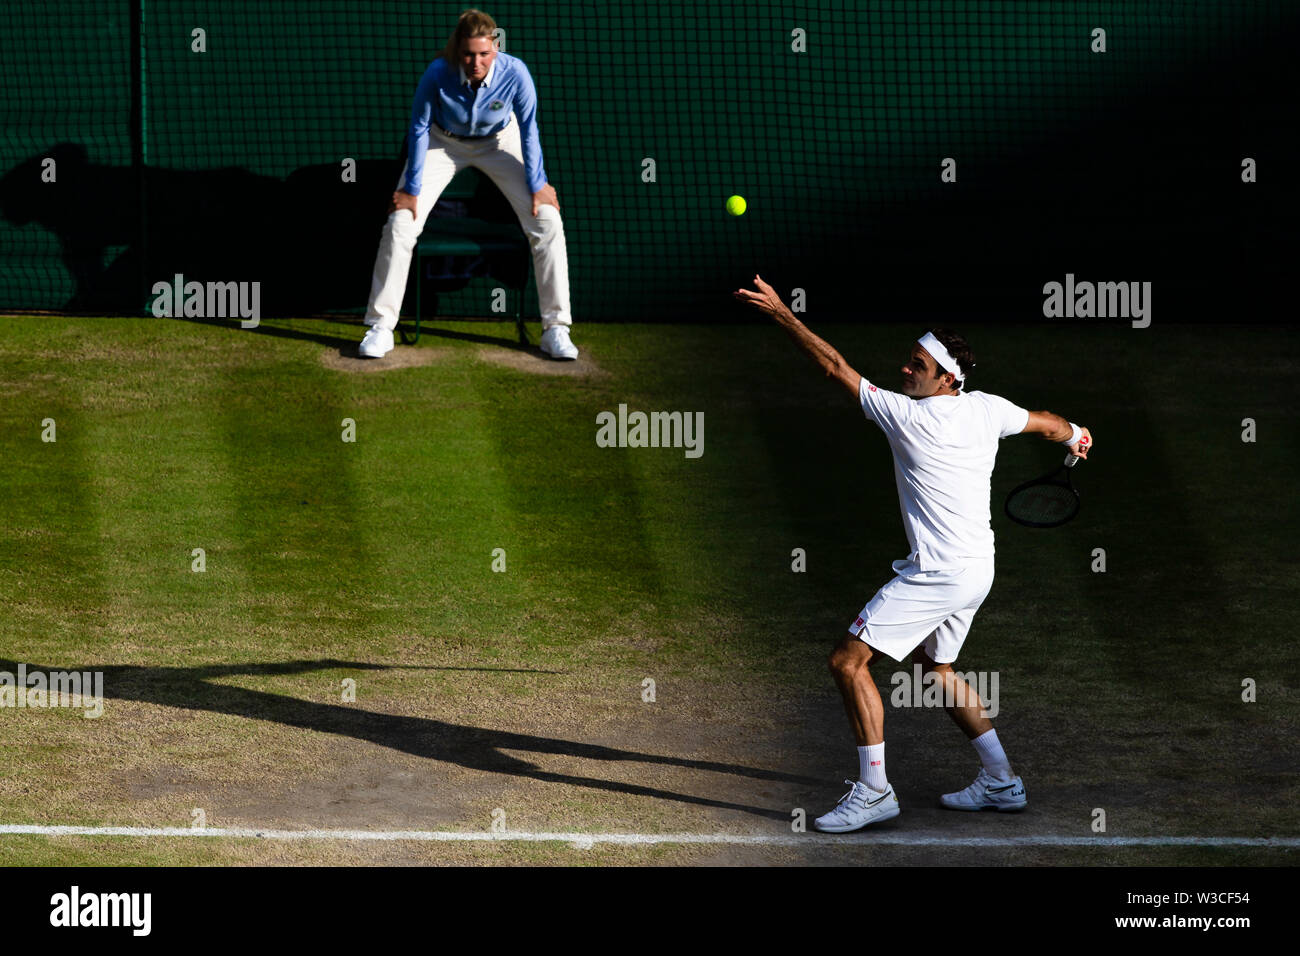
{"x":1043,"y":504}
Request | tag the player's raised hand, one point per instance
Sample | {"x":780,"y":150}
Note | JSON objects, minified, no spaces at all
{"x":765,"y":299}
{"x":402,"y":200}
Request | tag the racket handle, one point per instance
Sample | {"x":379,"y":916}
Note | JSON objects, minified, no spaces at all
{"x":1072,"y":460}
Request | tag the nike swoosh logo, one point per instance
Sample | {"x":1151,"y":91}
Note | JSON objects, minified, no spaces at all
{"x":998,"y":789}
{"x":879,"y":798}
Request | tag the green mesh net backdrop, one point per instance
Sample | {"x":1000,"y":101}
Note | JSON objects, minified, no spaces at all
{"x":901,"y":158}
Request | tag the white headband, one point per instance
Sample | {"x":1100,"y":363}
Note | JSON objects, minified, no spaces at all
{"x":940,"y":354}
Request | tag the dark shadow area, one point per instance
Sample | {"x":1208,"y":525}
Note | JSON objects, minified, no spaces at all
{"x":474,"y":748}
{"x":1145,"y":185}
{"x":347,"y":344}
{"x":458,"y":336}
{"x":309,"y":239}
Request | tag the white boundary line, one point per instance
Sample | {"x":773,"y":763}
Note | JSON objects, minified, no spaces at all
{"x":587,"y":840}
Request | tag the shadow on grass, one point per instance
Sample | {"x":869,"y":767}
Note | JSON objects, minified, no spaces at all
{"x":427,"y":332}
{"x":347,"y":346}
{"x":474,"y":748}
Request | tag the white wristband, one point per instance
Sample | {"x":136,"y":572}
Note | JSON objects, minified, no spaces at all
{"x":1078,"y":433}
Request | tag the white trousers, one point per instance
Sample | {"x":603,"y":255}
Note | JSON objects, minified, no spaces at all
{"x":501,"y":158}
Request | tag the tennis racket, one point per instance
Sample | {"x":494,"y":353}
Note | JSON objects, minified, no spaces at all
{"x":1046,"y":502}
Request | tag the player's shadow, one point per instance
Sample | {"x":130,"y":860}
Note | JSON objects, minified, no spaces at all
{"x":475,"y":748}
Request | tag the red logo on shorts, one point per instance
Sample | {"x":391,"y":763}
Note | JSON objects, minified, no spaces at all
{"x":871,"y":388}
{"x":859,"y":622}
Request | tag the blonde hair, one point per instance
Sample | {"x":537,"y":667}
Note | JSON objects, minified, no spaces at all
{"x":472,"y":23}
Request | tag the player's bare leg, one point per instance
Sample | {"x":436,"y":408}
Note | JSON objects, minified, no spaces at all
{"x":849,"y":664}
{"x":996,"y":787}
{"x":968,"y":710}
{"x":870,"y":798}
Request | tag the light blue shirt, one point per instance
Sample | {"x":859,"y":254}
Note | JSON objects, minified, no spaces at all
{"x":445,"y":97}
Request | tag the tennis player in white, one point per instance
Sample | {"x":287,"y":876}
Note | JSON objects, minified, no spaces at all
{"x":944,"y":441}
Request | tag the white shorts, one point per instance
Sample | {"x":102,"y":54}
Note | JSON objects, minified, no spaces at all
{"x":936,"y":607}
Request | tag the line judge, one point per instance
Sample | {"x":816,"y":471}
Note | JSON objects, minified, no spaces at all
{"x":475,"y":106}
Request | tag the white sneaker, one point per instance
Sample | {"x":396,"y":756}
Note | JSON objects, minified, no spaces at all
{"x":555,"y":343}
{"x":987,"y":793}
{"x":377,"y":343}
{"x":859,"y":807}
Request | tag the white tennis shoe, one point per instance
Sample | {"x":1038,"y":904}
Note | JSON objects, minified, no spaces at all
{"x":858,"y":808}
{"x":377,"y":343}
{"x":556,"y":343}
{"x":988,"y":793}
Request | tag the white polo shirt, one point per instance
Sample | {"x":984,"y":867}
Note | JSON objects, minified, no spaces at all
{"x":944,"y":448}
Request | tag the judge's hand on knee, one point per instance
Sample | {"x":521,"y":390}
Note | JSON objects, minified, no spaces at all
{"x":402,"y":200}
{"x":545,"y":197}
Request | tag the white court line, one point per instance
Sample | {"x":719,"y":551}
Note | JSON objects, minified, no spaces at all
{"x":585,"y":840}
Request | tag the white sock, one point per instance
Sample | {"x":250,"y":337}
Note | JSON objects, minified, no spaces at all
{"x":871,"y":766}
{"x":993,"y":756}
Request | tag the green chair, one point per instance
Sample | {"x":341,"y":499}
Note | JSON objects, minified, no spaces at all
{"x":471,"y":238}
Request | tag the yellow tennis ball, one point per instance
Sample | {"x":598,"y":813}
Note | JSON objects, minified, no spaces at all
{"x":736,"y":205}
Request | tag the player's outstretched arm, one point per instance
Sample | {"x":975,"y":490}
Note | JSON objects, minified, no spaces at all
{"x":819,"y":350}
{"x":1057,"y":429}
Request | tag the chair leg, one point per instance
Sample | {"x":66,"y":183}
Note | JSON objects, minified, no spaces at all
{"x":519,"y":305}
{"x":519,"y":318}
{"x":419,"y":274}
